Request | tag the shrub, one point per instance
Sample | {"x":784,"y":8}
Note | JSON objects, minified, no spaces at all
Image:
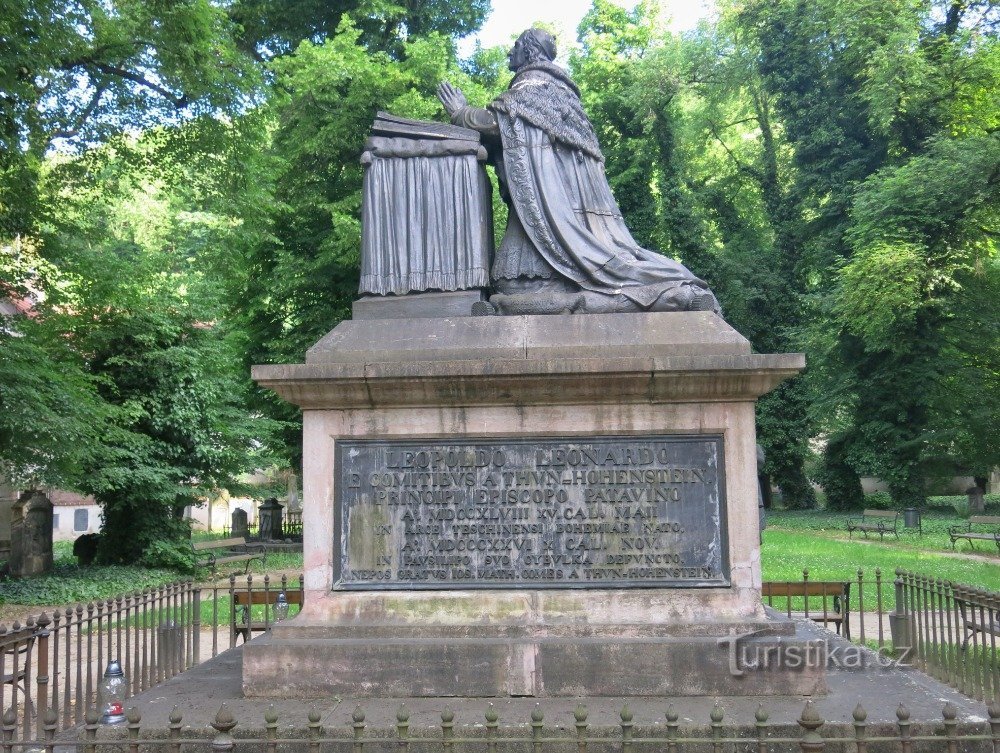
{"x":879,"y":501}
{"x":173,"y":555}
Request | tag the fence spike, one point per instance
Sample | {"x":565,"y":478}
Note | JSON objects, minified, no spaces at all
{"x":626,"y":725}
{"x":860,"y":728}
{"x":811,"y":721}
{"x":447,"y":729}
{"x":270,"y":715}
{"x":902,"y":713}
{"x":403,"y":727}
{"x":672,"y":725}
{"x":492,"y":715}
{"x":760,"y":717}
{"x":717,"y":713}
{"x":903,"y":722}
{"x":580,"y":717}
{"x":537,"y":720}
{"x":224,"y":720}
{"x":950,"y":714}
{"x":358,"y":717}
{"x":994,"y":712}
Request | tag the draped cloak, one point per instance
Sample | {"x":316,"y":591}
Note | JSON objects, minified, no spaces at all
{"x":554,"y":173}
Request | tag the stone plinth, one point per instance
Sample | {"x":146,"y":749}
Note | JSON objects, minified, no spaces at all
{"x":491,"y":379}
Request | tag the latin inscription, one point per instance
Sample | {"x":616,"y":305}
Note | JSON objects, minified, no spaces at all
{"x":564,"y":513}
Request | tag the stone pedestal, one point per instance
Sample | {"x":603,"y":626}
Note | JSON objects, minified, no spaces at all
{"x":494,"y":382}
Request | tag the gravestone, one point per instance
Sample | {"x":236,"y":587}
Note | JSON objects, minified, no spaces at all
{"x":31,"y":535}
{"x":239,"y":526}
{"x":269,"y":520}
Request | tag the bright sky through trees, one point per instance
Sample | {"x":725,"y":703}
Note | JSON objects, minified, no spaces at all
{"x":510,"y":17}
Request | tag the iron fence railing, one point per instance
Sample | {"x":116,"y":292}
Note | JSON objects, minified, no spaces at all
{"x":858,"y":607}
{"x":291,"y":526}
{"x":716,"y":733}
{"x":950,"y":630}
{"x":51,"y":666}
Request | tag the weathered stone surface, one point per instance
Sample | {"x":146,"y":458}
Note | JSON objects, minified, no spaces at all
{"x":31,"y":535}
{"x":416,"y":305}
{"x":426,"y":661}
{"x":497,"y":380}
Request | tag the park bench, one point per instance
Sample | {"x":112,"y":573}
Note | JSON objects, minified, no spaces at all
{"x":211,"y":554}
{"x":968,"y":533}
{"x":874,"y":521}
{"x":244,"y":622}
{"x":834,"y":596}
{"x":15,"y":664}
{"x":977,"y":619}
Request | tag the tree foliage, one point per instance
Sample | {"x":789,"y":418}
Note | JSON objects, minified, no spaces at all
{"x":180,"y":191}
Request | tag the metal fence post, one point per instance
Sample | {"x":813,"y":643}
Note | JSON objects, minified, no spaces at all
{"x":492,"y":719}
{"x":447,"y":730}
{"x":358,"y":719}
{"x":760,"y":722}
{"x":626,"y":724}
{"x":403,"y":728}
{"x":860,"y":728}
{"x":42,"y":674}
{"x":716,"y":716}
{"x":580,"y":716}
{"x":811,"y":721}
{"x":223,"y":725}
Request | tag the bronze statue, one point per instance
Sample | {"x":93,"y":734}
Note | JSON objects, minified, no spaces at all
{"x":566,"y":248}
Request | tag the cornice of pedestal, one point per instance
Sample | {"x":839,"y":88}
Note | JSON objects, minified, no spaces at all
{"x":558,"y":381}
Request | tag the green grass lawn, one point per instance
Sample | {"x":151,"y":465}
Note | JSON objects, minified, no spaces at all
{"x":817,"y":541}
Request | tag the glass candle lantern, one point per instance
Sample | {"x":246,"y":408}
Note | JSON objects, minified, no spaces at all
{"x":281,"y":607}
{"x":113,"y":693}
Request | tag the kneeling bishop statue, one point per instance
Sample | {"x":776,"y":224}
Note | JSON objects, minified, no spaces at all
{"x":566,"y":248}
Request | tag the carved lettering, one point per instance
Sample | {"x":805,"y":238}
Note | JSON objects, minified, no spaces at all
{"x":601,"y":512}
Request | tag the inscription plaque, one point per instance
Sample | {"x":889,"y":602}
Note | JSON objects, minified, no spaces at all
{"x":602,"y":512}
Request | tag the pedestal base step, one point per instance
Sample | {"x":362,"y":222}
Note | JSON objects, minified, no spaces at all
{"x":388,"y":665}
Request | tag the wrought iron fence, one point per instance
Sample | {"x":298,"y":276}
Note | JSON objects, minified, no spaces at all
{"x":716,"y":733}
{"x":951,"y":631}
{"x":291,"y":526}
{"x":51,"y":666}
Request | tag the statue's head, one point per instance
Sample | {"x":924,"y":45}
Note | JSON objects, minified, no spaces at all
{"x":533,"y":46}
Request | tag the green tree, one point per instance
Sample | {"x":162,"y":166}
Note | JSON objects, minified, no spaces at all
{"x":147,"y":328}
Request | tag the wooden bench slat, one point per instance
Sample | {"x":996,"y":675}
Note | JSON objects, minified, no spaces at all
{"x":835,"y":600}
{"x":879,"y":526}
{"x":955,"y":533}
{"x":243,"y":601}
{"x":211,"y":559}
